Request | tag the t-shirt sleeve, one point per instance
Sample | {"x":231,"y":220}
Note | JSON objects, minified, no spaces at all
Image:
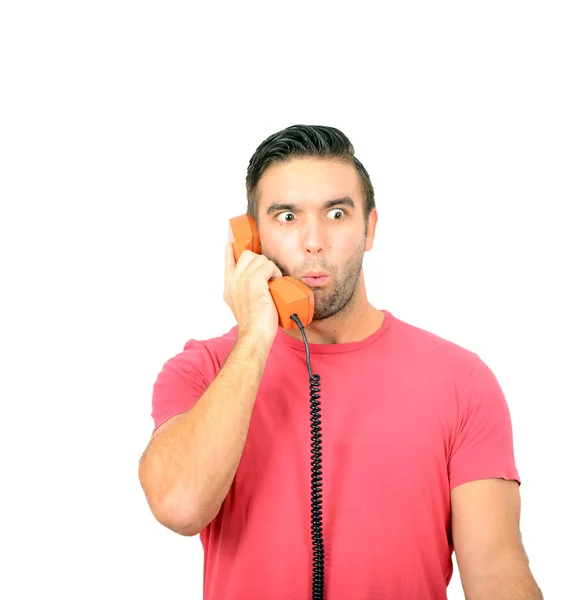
{"x":483,"y":441}
{"x":181,"y":381}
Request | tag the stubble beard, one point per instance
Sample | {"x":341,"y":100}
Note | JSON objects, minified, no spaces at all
{"x":341,"y":289}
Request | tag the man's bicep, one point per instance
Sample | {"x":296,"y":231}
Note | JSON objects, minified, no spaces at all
{"x":485,"y":519}
{"x":487,"y":540}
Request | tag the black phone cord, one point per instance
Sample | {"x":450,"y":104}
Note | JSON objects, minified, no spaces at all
{"x":318,"y":580}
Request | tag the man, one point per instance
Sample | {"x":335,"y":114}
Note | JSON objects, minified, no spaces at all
{"x":417,"y":449}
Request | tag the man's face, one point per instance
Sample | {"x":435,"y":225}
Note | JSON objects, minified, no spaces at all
{"x":311,"y":218}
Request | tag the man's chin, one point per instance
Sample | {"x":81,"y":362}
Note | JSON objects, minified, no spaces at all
{"x":322,"y":312}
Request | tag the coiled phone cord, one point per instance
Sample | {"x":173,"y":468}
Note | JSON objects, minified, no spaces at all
{"x":316,"y":476}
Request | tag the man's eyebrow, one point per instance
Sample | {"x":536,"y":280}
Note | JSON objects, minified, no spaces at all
{"x":281,"y":206}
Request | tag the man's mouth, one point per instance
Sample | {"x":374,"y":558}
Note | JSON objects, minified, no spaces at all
{"x":313,"y":280}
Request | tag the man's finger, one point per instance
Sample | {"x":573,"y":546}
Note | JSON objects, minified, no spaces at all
{"x":245,"y":259}
{"x":229,"y":262}
{"x":276,"y":274}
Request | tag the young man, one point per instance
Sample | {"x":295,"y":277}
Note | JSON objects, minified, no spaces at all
{"x":417,"y":449}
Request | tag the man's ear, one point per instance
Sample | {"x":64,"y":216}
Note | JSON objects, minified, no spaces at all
{"x":371,"y":230}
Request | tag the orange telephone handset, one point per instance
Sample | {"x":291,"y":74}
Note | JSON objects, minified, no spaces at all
{"x":290,"y":295}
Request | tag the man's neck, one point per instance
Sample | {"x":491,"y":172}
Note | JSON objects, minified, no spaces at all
{"x":346,"y":326}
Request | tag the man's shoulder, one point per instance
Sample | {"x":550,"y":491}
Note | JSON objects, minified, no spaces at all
{"x":215,"y":347}
{"x":431,"y":346}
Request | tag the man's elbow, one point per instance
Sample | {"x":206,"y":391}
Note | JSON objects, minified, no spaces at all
{"x":507,"y":581}
{"x":178,"y":515}
{"x":187,"y":530}
{"x":178,"y":518}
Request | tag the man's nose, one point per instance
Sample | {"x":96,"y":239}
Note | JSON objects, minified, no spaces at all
{"x":313,"y":236}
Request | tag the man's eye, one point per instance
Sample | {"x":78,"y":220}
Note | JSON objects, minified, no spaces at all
{"x":285,"y":213}
{"x":339,"y":212}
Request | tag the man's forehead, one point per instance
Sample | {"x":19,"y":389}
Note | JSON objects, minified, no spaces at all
{"x":308,"y":183}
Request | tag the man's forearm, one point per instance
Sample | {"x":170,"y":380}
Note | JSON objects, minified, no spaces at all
{"x":188,"y":469}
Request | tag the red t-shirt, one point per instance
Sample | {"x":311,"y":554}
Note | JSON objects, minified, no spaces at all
{"x":406,"y":416}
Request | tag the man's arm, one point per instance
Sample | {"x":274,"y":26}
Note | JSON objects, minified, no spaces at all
{"x":485,"y":522}
{"x":189,"y":465}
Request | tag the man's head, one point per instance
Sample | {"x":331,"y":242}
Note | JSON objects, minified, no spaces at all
{"x":314,"y":206}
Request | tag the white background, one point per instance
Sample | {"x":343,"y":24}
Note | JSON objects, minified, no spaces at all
{"x":125,"y":132}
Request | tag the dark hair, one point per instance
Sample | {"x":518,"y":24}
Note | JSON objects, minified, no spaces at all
{"x":300,"y":141}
